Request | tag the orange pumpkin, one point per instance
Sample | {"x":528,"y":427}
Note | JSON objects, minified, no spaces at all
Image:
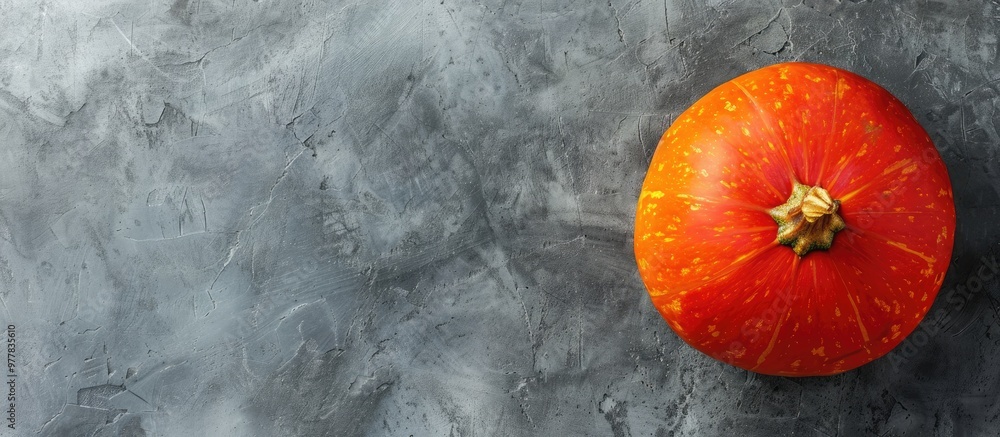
{"x":796,"y":220}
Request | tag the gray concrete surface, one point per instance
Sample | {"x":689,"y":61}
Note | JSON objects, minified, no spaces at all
{"x":278,"y":217}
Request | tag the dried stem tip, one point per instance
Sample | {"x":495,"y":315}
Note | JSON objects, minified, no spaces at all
{"x":808,"y":220}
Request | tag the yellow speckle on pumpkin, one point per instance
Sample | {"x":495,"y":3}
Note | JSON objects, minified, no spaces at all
{"x":675,"y":306}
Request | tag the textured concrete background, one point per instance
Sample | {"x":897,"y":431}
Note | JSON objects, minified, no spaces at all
{"x":295,"y":217}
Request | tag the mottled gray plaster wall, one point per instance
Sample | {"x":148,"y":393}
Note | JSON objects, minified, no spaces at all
{"x":263,"y":218}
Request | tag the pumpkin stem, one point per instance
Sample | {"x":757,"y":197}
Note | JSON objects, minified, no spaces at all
{"x":808,"y":220}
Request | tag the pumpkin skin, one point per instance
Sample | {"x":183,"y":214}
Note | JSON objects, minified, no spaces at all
{"x":707,"y":248}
